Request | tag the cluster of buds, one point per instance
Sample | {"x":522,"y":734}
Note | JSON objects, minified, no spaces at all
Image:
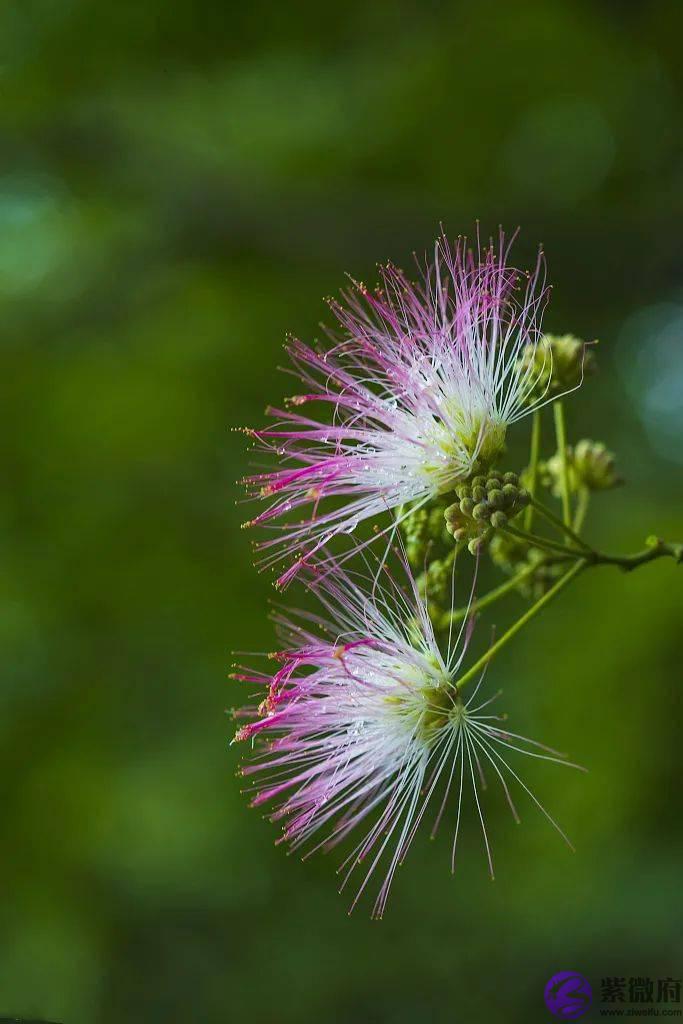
{"x":434,"y":583}
{"x":556,"y":365}
{"x":591,"y":467}
{"x":515,"y":557}
{"x":509,"y":553}
{"x":485,"y":504}
{"x":422,"y":530}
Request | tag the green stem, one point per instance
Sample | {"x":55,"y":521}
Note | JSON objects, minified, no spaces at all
{"x":552,"y":518}
{"x":458,"y":614}
{"x":544,"y":543}
{"x":581,"y":509}
{"x":533,"y":465}
{"x":514,"y":629}
{"x":561,"y":435}
{"x":656,"y":549}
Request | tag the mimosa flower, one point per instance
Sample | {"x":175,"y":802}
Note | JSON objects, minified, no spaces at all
{"x":423,"y":381}
{"x":362,"y":728}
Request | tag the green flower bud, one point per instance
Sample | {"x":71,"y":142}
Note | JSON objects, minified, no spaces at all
{"x":594,"y":466}
{"x":435,"y":582}
{"x":557,"y":364}
{"x":590,"y":465}
{"x":476,"y":545}
{"x":424,"y":530}
{"x":513,"y":555}
{"x":453,"y":517}
{"x":490,"y":506}
{"x":508,"y":553}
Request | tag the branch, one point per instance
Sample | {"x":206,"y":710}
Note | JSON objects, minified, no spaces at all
{"x":656,"y":548}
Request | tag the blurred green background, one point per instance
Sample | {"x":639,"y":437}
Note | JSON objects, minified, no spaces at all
{"x":180,"y":184}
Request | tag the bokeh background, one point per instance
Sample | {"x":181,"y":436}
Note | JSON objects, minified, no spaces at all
{"x":181,"y":184}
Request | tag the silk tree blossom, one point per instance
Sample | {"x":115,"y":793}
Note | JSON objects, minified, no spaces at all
{"x":423,"y":379}
{"x":362,"y":729}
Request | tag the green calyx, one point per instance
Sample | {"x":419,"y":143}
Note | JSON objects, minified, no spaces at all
{"x":432,"y":709}
{"x":440,"y":703}
{"x":486,"y":441}
{"x":485,"y":503}
{"x":556,"y":365}
{"x":428,"y":708}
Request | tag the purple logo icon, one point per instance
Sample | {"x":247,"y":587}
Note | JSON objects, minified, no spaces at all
{"x":568,"y":995}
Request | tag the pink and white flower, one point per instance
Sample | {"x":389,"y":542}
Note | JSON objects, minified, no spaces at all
{"x":362,"y":728}
{"x":423,"y":380}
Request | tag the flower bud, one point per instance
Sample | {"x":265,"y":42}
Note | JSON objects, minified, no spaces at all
{"x":594,"y":466}
{"x":476,"y":545}
{"x":421,"y":529}
{"x":487,"y":506}
{"x":513,"y":555}
{"x":434,"y":583}
{"x":556,"y":365}
{"x":453,"y":517}
{"x":508,"y":553}
{"x":590,"y":466}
